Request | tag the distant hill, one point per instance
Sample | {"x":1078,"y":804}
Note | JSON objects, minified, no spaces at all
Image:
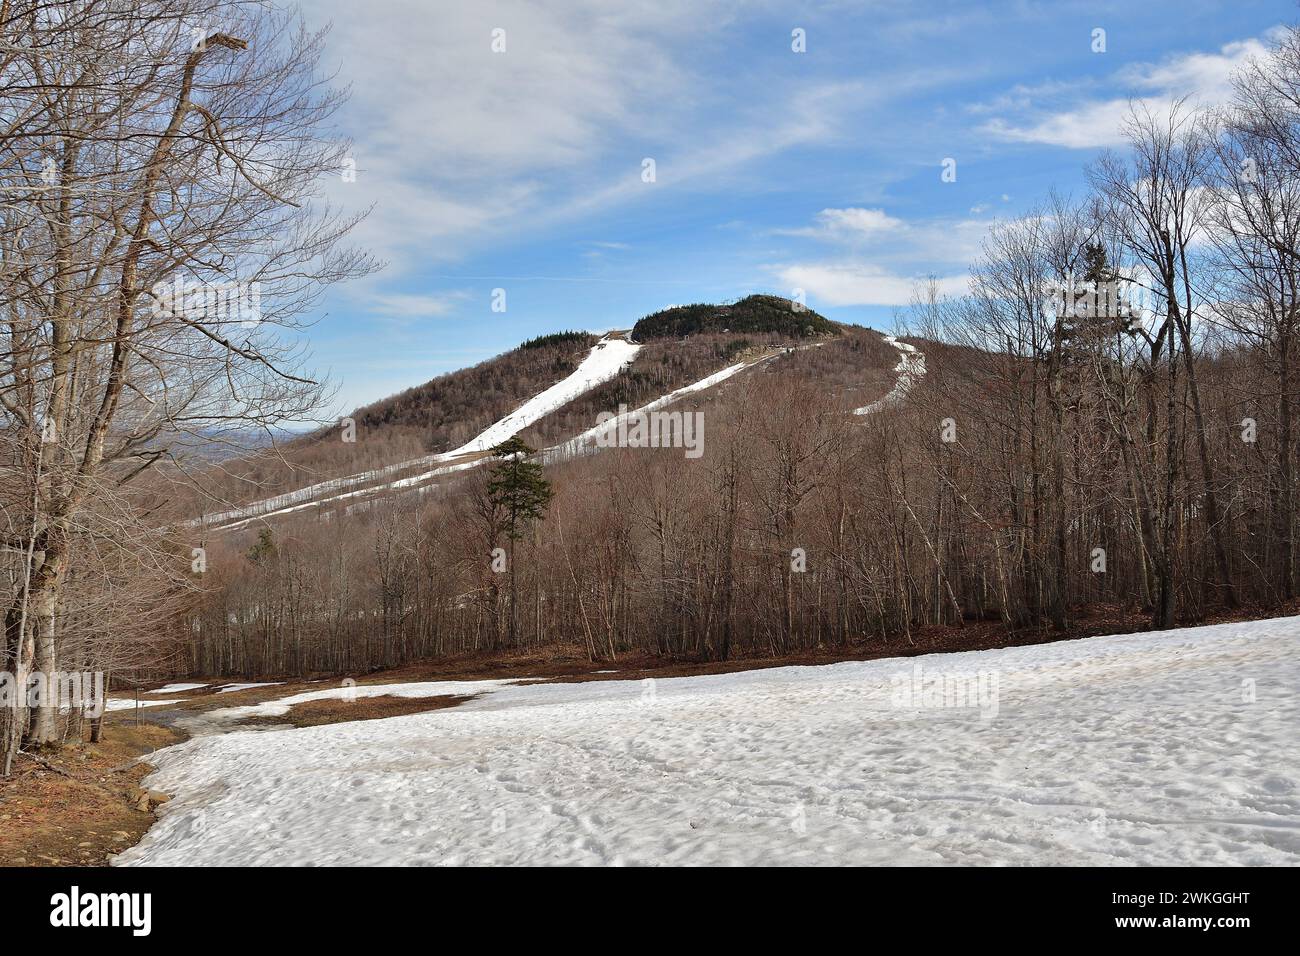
{"x":678,"y":346}
{"x":755,"y":313}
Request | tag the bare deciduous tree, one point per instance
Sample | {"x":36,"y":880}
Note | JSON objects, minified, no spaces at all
{"x":162,"y":237}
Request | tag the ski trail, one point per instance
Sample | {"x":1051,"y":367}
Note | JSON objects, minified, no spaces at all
{"x":605,"y":360}
{"x":910,"y":369}
{"x":580,"y":444}
{"x":371,"y":489}
{"x":608,"y":357}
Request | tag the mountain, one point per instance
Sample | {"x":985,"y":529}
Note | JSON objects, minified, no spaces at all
{"x":755,"y":313}
{"x":549,"y":390}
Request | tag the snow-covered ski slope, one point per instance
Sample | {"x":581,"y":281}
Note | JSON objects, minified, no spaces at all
{"x":470,"y":454}
{"x":588,"y":440}
{"x":1177,"y":747}
{"x":910,"y":369}
{"x":605,"y":360}
{"x":580,"y":444}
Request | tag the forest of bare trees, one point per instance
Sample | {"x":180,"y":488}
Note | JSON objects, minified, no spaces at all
{"x":1063,"y":451}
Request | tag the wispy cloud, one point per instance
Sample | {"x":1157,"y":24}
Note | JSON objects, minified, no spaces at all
{"x":881,"y":258}
{"x":408,"y":306}
{"x":458,"y":142}
{"x":861,"y":284}
{"x":1046,"y":116}
{"x":853,"y":222}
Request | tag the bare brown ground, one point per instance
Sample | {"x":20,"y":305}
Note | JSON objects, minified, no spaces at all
{"x":316,"y":713}
{"x":78,"y":805}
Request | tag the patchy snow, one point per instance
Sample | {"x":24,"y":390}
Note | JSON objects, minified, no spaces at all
{"x":317,"y":502}
{"x":1166,"y":748}
{"x":176,"y":689}
{"x":231,"y":688}
{"x":606,"y":359}
{"x":910,"y":369}
{"x":579,"y":443}
{"x":128,"y":703}
{"x":226,"y":716}
{"x":304,"y":497}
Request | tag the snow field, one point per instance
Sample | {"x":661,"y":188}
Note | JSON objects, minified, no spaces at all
{"x":1176,"y":747}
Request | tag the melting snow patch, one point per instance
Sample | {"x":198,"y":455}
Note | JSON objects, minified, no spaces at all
{"x":230,"y":688}
{"x":126,"y":703}
{"x":605,"y":360}
{"x":225,"y":717}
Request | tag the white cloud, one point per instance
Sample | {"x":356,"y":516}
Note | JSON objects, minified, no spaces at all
{"x":882,"y":259}
{"x":1205,"y":78}
{"x":457,"y":145}
{"x":399,"y":305}
{"x":884,"y":238}
{"x":1087,"y":127}
{"x":431,"y":87}
{"x":853,"y":222}
{"x":858,"y":284}
{"x":859,"y":220}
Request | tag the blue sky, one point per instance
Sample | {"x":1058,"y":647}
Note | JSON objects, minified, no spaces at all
{"x":774,"y":170}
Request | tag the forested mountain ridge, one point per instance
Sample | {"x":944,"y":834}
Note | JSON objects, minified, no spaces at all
{"x":416,"y":425}
{"x":754,"y":313}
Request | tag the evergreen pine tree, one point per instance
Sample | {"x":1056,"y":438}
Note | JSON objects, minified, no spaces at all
{"x":264,"y":548}
{"x":518,"y":487}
